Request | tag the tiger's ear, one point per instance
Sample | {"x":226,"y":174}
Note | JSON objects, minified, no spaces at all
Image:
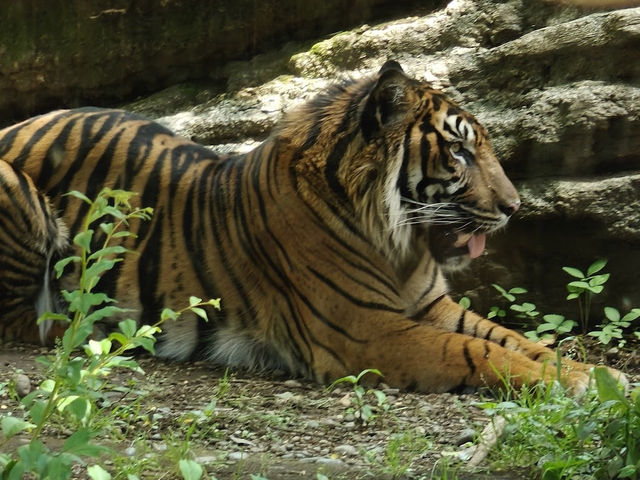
{"x":390,"y":99}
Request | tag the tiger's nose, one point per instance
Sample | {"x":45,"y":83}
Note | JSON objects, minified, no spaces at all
{"x":510,"y":208}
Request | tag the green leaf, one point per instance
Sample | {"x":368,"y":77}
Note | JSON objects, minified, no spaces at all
{"x":83,"y":240}
{"x":596,"y":289}
{"x":81,"y":196}
{"x":608,"y":387}
{"x":464,"y":302}
{"x":574,"y":272}
{"x":168,"y":314}
{"x":108,"y":251}
{"x":582,"y":285}
{"x":628,"y":471}
{"x":375,"y":371}
{"x":61,"y":264}
{"x":599,"y":280}
{"x":546,"y":327}
{"x":503,"y":292}
{"x":194,"y":301}
{"x":96,"y":472}
{"x":631,"y":316}
{"x":190,"y":470}
{"x":612,"y":314}
{"x":128,"y":327}
{"x":105,"y":312}
{"x":517,"y":290}
{"x":79,"y":407}
{"x":596,"y":266}
{"x":554,"y":318}
{"x":146,"y":343}
{"x":12,"y":426}
{"x":201,"y":313}
{"x":78,"y":444}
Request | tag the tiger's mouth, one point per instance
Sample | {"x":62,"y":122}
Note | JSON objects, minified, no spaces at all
{"x":474,"y":242}
{"x":455,"y":249}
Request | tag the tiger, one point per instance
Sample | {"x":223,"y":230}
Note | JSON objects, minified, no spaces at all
{"x":328,"y":243}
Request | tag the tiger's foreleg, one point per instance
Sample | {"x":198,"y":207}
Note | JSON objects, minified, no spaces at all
{"x":450,"y":316}
{"x":31,"y":235}
{"x":429,"y":359}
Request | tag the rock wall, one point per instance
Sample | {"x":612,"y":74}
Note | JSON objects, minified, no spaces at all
{"x":557,"y":86}
{"x":73,"y":52}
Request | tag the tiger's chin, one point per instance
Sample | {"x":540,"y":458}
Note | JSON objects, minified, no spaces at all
{"x":454,"y":250}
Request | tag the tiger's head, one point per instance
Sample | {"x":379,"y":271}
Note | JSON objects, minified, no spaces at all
{"x":414,"y":169}
{"x":442,"y":181}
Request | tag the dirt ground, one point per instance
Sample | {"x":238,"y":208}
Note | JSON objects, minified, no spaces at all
{"x":259,"y":427}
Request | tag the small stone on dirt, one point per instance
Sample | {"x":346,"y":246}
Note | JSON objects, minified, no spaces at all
{"x":467,"y":435}
{"x":348,"y":450}
{"x":23,"y":385}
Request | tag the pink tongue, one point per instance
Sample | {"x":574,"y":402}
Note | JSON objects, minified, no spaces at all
{"x":476,"y":244}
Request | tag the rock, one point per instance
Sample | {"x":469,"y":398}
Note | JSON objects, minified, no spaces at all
{"x":467,"y":435}
{"x":612,"y":354}
{"x":22,"y":385}
{"x":291,"y":383}
{"x":235,"y":456}
{"x":347,"y":450}
{"x":328,"y":461}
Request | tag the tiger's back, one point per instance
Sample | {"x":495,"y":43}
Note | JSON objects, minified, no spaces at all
{"x":327,"y":244}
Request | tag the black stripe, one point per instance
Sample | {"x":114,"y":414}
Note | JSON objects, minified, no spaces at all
{"x":425,"y":311}
{"x":57,"y":147}
{"x":35,"y":137}
{"x":316,"y":313}
{"x":356,"y":301}
{"x":487,"y":335}
{"x":431,"y":283}
{"x":467,"y":357}
{"x":382,"y":279}
{"x":460,"y":327}
{"x":149,"y":263}
{"x":403,"y":177}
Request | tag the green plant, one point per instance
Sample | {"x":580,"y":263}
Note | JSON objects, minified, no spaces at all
{"x":553,"y":325}
{"x":585,"y":287}
{"x":509,"y":295}
{"x":561,"y":437}
{"x":615,"y":325}
{"x":364,"y":411}
{"x":400,"y":453}
{"x":74,"y":382}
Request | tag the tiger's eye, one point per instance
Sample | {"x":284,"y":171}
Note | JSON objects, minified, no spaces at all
{"x":455,"y":147}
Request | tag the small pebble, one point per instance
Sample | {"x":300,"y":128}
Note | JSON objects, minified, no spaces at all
{"x":467,"y":435}
{"x":292,"y":384}
{"x":612,"y":353}
{"x":130,"y":451}
{"x":238,"y":456}
{"x":348,"y":450}
{"x":23,"y":385}
{"x":333,"y":462}
{"x":313,"y":424}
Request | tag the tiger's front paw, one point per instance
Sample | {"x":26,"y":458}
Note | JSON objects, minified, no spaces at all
{"x":576,"y":382}
{"x":587,"y":368}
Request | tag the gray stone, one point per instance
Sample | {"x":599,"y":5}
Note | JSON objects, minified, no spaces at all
{"x":22,"y":384}
{"x":348,"y":450}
